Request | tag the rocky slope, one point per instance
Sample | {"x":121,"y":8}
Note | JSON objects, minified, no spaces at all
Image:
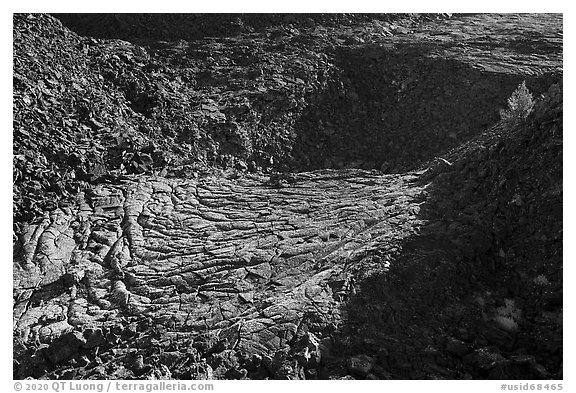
{"x":278,"y":198}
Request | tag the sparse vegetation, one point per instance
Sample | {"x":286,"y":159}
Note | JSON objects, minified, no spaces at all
{"x":520,"y":105}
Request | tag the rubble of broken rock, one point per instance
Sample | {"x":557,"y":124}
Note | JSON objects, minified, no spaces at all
{"x":290,"y":197}
{"x":293,"y":96}
{"x":477,"y":292}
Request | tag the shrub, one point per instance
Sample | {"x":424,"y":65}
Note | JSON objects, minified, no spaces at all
{"x":520,"y":104}
{"x":507,"y":316}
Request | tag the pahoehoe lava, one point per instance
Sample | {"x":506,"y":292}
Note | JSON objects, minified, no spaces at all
{"x":288,"y":196}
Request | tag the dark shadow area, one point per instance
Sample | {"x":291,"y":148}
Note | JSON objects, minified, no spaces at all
{"x":533,"y":44}
{"x":51,"y":291}
{"x":477,"y":292}
{"x":394,"y":108}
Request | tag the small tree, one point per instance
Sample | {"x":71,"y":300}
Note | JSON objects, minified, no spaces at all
{"x":520,"y":104}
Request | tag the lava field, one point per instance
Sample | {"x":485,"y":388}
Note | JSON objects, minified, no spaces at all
{"x":287,"y":196}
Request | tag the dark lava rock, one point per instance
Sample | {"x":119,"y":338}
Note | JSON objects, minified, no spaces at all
{"x":201,"y":371}
{"x":113,"y":338}
{"x":289,"y":369}
{"x":226,"y":364}
{"x":235,"y":373}
{"x":381,"y":373}
{"x":137,"y":365}
{"x":307,"y":351}
{"x":360,"y":365}
{"x":94,"y":338}
{"x":255,"y":361}
{"x":498,"y":336}
{"x":456,"y":347}
{"x":484,"y":359}
{"x":438,"y":371}
{"x":169,"y":357}
{"x":65,"y":347}
{"x":519,"y":367}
